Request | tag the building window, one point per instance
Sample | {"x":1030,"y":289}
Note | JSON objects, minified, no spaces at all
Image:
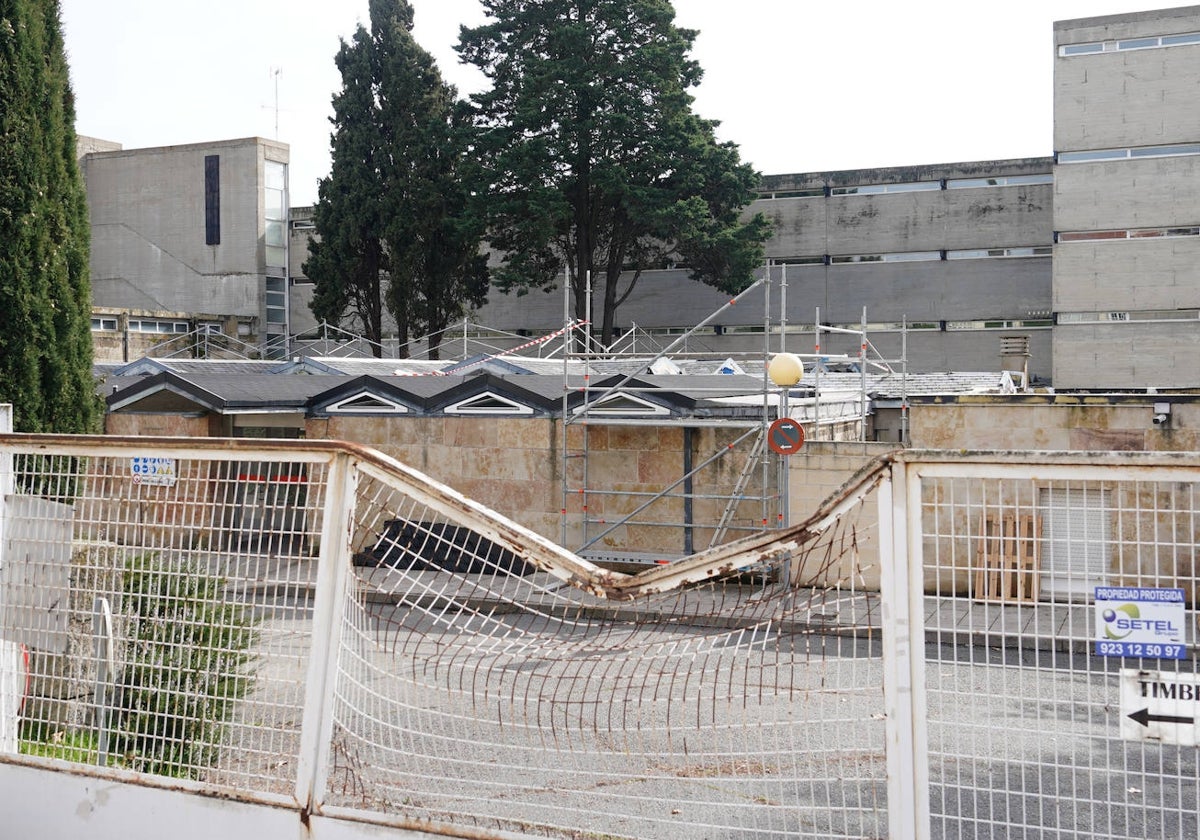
{"x":275,"y":212}
{"x":877,"y":189}
{"x":1134,"y":233}
{"x":815,"y":192}
{"x":905,"y":256}
{"x":999,"y":324}
{"x":999,"y":181}
{"x":488,"y":403}
{"x":154,"y":326}
{"x":813,"y":260}
{"x":985,"y":253}
{"x":367,"y":403}
{"x":276,"y":300}
{"x":1122,"y":317}
{"x":1081,"y":49}
{"x":104,"y":324}
{"x":212,"y":199}
{"x":1092,"y":155}
{"x":1150,"y":43}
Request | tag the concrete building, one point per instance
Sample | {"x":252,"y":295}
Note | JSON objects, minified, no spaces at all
{"x":1086,"y":262}
{"x":952,"y":252}
{"x":1127,"y":200}
{"x":1077,"y":269}
{"x":188,"y":241}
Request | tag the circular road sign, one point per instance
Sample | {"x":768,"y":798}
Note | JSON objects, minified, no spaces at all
{"x":785,"y":436}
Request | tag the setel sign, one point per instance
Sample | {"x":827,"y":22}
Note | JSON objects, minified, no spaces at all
{"x":1160,"y":706}
{"x":1140,"y":622}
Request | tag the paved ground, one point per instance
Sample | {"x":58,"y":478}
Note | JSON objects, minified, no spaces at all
{"x":463,"y":706}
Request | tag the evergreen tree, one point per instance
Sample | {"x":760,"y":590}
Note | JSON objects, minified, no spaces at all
{"x":395,"y":203}
{"x":45,"y":291}
{"x":595,"y":163}
{"x":346,"y":257}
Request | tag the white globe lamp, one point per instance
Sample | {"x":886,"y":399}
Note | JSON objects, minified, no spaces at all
{"x":785,"y":369}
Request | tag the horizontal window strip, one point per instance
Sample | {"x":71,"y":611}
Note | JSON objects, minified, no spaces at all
{"x":911,"y":186}
{"x":999,"y":181}
{"x":989,"y":253}
{"x":956,"y":326}
{"x":816,"y":192}
{"x":1132,"y":233}
{"x":878,"y":189}
{"x":813,"y":260}
{"x":1125,"y":317}
{"x":904,"y":256}
{"x":1126,"y":44}
{"x":1095,"y":155}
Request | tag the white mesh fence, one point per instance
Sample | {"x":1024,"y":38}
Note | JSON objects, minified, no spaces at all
{"x":170,"y":601}
{"x":315,"y":624}
{"x":162,"y":605}
{"x":1034,"y":677}
{"x":475,"y":688}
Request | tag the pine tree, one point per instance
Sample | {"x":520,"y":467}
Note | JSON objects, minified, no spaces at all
{"x":595,"y":163}
{"x":45,"y":292}
{"x":392,"y":217}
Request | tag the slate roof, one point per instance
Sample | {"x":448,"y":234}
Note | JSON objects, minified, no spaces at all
{"x":313,"y":385}
{"x":225,"y":393}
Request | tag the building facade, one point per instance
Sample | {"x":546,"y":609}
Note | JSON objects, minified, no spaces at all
{"x":1085,"y":262}
{"x":938,"y":263}
{"x":1127,"y":201}
{"x":1078,"y":269}
{"x":188,"y":241}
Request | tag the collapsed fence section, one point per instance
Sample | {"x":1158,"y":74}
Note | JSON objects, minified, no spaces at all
{"x":477,"y":688}
{"x":323,"y":626}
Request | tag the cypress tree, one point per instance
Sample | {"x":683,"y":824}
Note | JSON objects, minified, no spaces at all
{"x":45,"y":293}
{"x":391,"y":220}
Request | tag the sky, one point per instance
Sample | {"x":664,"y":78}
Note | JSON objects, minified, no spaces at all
{"x":798,"y":85}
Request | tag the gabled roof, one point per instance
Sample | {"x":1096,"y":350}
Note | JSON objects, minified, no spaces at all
{"x":304,"y":364}
{"x":371,"y":395}
{"x":491,"y":364}
{"x":486,"y":392}
{"x":259,"y":393}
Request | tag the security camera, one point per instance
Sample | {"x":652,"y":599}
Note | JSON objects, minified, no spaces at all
{"x":1162,"y":413}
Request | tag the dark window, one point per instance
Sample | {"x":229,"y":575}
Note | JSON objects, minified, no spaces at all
{"x":212,"y":199}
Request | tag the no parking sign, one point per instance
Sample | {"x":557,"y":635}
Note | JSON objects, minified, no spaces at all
{"x":785,"y":436}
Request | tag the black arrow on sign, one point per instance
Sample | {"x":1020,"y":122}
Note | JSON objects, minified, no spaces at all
{"x":1144,"y":718}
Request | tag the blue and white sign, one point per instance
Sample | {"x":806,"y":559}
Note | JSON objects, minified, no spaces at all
{"x":1142,"y":622}
{"x":153,"y":471}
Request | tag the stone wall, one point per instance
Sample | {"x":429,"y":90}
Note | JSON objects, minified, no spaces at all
{"x":818,"y":471}
{"x":1101,"y":423}
{"x":513,"y":466}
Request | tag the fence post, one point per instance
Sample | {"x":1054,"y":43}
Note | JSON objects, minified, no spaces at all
{"x":901,"y":591}
{"x":11,"y":658}
{"x":329,"y":604}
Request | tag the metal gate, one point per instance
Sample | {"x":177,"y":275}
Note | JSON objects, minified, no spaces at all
{"x":1072,"y":712}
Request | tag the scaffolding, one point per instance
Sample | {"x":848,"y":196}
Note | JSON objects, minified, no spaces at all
{"x":761,"y":476}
